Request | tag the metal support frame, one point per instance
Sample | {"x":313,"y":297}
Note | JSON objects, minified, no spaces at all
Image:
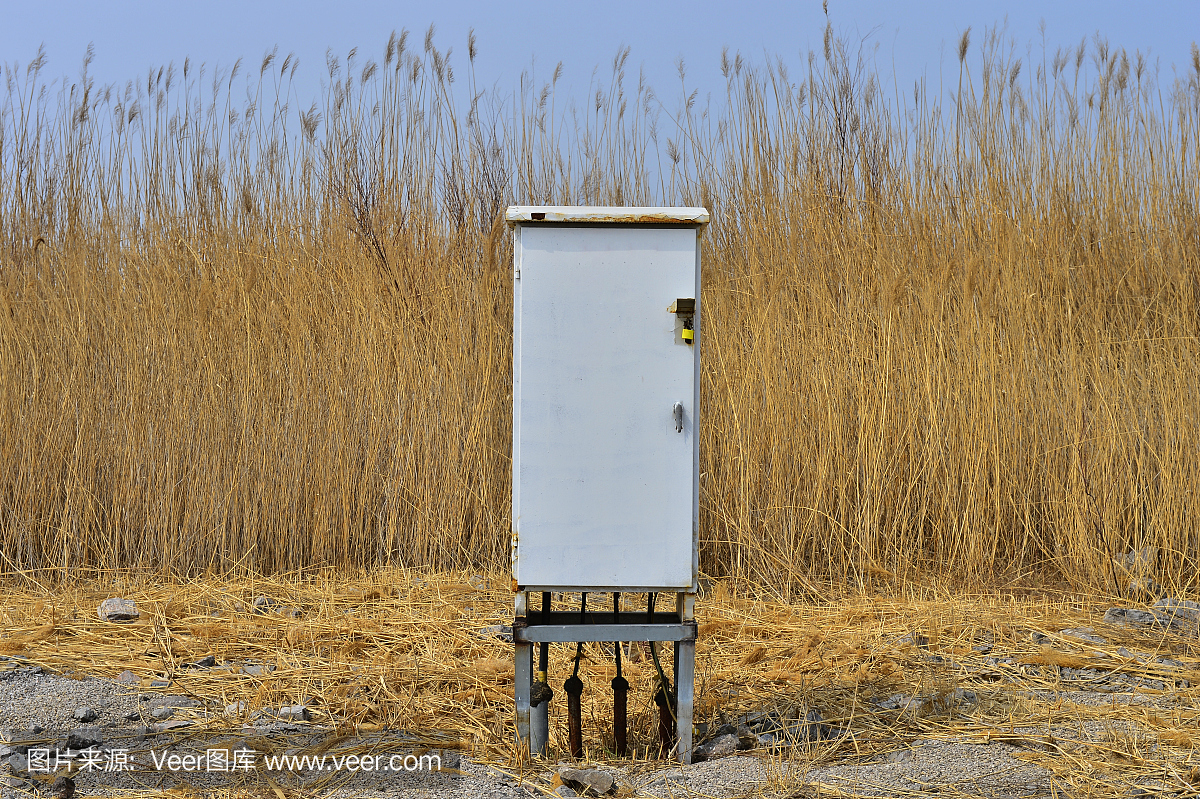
{"x":531,"y":628}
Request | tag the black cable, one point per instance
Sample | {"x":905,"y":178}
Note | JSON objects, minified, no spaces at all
{"x":544,"y":652}
{"x":540,"y":691}
{"x":662,"y":677}
{"x":617,"y":620}
{"x":579,"y":644}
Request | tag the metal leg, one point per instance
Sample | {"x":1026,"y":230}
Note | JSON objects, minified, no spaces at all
{"x":539,"y":729}
{"x":685,"y":677}
{"x":523,"y":679}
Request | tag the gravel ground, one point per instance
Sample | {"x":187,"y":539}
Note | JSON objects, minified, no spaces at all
{"x":39,"y":708}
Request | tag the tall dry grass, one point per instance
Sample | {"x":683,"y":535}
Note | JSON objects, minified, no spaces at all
{"x":952,"y":333}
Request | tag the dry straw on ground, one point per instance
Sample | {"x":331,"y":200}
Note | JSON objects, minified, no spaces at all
{"x":942,"y":335}
{"x":402,"y":650}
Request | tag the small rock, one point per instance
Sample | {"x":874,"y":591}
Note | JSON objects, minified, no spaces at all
{"x":174,"y":701}
{"x":899,"y":702}
{"x":1141,"y":618}
{"x":81,"y":739}
{"x":814,"y":727}
{"x":16,"y":762}
{"x":1083,"y":634}
{"x":1179,"y":607}
{"x":117,"y":609}
{"x":900,"y":756}
{"x":264,"y":604}
{"x":160,"y":682}
{"x":914,"y":639}
{"x":133,"y":716}
{"x":85,"y":714}
{"x":477,"y":581}
{"x":1143,"y":589}
{"x":255,"y":670}
{"x":295,"y":713}
{"x":564,"y":790}
{"x":768,"y":740}
{"x":746,"y":738}
{"x":1138,"y":561}
{"x":206,"y":662}
{"x":235,"y":709}
{"x":10,"y":781}
{"x":62,"y":788}
{"x":587,"y":782}
{"x":127,"y":677}
{"x":500,"y":632}
{"x":162,"y":713}
{"x":720,"y":746}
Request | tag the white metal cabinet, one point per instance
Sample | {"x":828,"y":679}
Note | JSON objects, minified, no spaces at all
{"x":605,"y":484}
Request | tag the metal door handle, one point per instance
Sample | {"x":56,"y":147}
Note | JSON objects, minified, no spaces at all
{"x":679,"y":417}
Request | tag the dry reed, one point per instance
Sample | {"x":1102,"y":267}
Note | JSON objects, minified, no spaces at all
{"x":950,"y":337}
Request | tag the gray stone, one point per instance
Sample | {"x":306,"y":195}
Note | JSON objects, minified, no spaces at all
{"x":10,"y":781}
{"x":83,"y":739}
{"x":255,"y":670}
{"x":1138,"y":561}
{"x":1179,"y":607}
{"x":295,"y":713}
{"x":564,"y":790}
{"x":174,"y":701}
{"x":235,"y":709}
{"x":588,"y":782}
{"x":1131,"y":617}
{"x":1143,"y":589}
{"x":499,"y":632}
{"x":206,"y":662}
{"x":63,"y":787}
{"x":159,"y":682}
{"x":1083,"y":634}
{"x":264,"y":604}
{"x":85,"y":714}
{"x":720,"y":746}
{"x":16,"y":762}
{"x":746,"y":738}
{"x":769,"y":740}
{"x":117,"y":609}
{"x":127,"y":677}
{"x":162,"y":713}
{"x":813,"y":727}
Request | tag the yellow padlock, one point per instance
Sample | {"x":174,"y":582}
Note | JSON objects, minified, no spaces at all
{"x":688,"y":334}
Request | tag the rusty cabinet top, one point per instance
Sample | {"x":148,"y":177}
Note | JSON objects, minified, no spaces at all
{"x":605,"y":214}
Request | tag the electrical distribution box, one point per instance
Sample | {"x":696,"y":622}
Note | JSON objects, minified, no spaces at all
{"x":606,"y":392}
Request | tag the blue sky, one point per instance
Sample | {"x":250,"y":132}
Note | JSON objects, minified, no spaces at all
{"x":907,"y":39}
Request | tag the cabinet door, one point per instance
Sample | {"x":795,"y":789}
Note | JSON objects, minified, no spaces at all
{"x":604,"y":481}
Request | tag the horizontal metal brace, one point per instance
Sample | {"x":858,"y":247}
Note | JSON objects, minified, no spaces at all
{"x":561,"y":617}
{"x":567,"y":633}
